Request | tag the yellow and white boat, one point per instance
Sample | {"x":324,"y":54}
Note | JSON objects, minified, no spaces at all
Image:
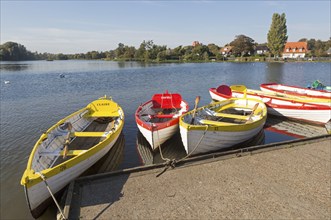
{"x":69,"y":148}
{"x":222,"y":124}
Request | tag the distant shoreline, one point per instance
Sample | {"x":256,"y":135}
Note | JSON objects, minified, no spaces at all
{"x":230,"y":60}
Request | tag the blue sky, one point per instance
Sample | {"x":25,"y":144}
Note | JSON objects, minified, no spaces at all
{"x":82,"y":26}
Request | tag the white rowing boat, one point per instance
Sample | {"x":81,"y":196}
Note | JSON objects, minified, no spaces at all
{"x":221,"y":125}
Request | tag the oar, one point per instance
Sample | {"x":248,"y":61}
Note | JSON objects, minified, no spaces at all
{"x":66,"y":144}
{"x":197,"y":99}
{"x":252,"y":113}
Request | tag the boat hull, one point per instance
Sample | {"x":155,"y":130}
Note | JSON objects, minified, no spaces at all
{"x":157,"y":119}
{"x":209,"y":141}
{"x":214,"y":127}
{"x":156,"y":137}
{"x":295,"y":91}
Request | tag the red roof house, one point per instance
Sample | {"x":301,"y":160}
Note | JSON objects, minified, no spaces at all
{"x":295,"y":50}
{"x":226,"y":50}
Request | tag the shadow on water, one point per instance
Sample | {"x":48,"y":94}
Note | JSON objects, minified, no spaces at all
{"x":174,"y":149}
{"x":274,"y":72}
{"x":171,"y":149}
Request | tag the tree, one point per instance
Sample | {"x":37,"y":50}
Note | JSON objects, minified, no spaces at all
{"x":243,"y":45}
{"x":277,"y":35}
{"x":214,"y":49}
{"x":119,"y":51}
{"x":14,"y":52}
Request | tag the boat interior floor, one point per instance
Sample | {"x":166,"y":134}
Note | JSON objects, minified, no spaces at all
{"x":229,"y":111}
{"x":85,"y":143}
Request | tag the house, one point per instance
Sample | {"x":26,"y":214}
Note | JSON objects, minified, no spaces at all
{"x":227,"y":50}
{"x":261,"y":49}
{"x":328,"y":52}
{"x":195,"y":43}
{"x":295,"y":50}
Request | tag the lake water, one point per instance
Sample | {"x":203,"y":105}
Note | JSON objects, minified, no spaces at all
{"x":37,"y":97}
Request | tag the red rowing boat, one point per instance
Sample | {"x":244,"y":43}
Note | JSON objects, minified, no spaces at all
{"x":278,"y":106}
{"x":157,"y":119}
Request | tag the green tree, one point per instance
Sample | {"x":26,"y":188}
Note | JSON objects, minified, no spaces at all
{"x":12,"y":51}
{"x":214,"y":49}
{"x":277,"y":35}
{"x":119,"y":51}
{"x":243,"y":45}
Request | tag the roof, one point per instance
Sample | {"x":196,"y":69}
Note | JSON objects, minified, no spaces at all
{"x":292,"y":47}
{"x":226,"y":49}
{"x":261,"y":47}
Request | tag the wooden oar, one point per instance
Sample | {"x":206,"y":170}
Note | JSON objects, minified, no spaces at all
{"x":252,"y":113}
{"x":197,"y":99}
{"x":66,"y":144}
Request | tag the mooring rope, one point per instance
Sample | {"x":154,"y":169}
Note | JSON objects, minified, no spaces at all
{"x":168,"y":162}
{"x":172,"y":163}
{"x":52,"y":195}
{"x":160,"y":150}
{"x":196,"y":146}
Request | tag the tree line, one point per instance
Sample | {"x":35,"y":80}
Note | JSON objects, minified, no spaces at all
{"x":242,"y":46}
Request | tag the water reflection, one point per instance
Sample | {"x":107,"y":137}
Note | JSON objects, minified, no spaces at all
{"x":274,"y":72}
{"x":133,"y":64}
{"x":14,"y":67}
{"x":283,"y":129}
{"x":174,"y":149}
{"x":171,"y":149}
{"x":111,"y":161}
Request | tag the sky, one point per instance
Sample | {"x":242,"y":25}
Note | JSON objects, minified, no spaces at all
{"x":58,"y":26}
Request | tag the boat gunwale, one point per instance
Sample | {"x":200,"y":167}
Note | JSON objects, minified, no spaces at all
{"x":266,"y":86}
{"x":158,"y":125}
{"x":226,"y":127}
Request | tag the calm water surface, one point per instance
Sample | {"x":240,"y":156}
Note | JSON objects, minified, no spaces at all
{"x":36,"y":98}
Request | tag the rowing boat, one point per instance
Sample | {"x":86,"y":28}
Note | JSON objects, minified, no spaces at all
{"x":225,"y":91}
{"x":157,"y":119}
{"x":295,"y":91}
{"x":279,"y":106}
{"x":69,"y":148}
{"x":221,"y":125}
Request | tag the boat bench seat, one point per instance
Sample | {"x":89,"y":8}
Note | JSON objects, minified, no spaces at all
{"x":73,"y":152}
{"x":216,"y":123}
{"x":90,"y":134}
{"x":162,"y":116}
{"x":233,"y":106}
{"x":57,"y":153}
{"x":226,"y":115}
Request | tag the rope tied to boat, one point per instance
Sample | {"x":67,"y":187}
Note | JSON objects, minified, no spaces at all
{"x":52,"y":195}
{"x":168,"y":162}
{"x":172,"y":162}
{"x":196,"y":146}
